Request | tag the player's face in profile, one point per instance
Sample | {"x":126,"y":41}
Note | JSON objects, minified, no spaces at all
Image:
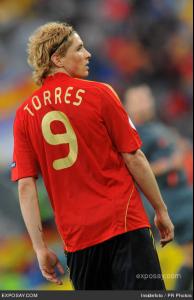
{"x":76,"y":59}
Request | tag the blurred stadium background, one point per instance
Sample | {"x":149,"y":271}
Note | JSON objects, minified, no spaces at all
{"x":131,"y":41}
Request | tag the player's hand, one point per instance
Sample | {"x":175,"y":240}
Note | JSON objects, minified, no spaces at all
{"x":48,"y":263}
{"x":165,"y":227}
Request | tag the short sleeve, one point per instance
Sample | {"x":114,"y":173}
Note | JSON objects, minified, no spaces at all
{"x":24,"y":162}
{"x":120,"y":127}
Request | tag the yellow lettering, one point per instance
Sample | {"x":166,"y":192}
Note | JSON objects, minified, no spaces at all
{"x":79,"y":97}
{"x":47,"y":97}
{"x":36,"y":103}
{"x":28,"y":110}
{"x":58,"y":92}
{"x":67,"y":94}
{"x":68,"y":137}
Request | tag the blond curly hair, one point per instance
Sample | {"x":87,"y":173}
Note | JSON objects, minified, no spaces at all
{"x":50,"y":38}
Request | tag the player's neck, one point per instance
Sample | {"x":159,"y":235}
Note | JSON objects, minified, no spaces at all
{"x":59,"y":70}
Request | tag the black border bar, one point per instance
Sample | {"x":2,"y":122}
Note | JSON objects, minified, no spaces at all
{"x":94,"y":295}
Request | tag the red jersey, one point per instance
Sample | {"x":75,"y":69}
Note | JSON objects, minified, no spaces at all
{"x":73,"y":131}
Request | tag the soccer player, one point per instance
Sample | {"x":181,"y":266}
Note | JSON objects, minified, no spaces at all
{"x":161,"y":147}
{"x":78,"y":136}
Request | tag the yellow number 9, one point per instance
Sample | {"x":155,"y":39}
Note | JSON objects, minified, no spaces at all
{"x":68,"y":137}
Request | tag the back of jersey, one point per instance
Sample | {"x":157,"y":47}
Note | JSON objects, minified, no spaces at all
{"x":73,"y":131}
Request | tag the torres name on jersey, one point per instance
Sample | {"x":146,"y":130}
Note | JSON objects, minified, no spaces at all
{"x":70,"y":95}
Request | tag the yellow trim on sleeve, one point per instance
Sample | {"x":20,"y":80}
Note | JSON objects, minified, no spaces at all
{"x":114,"y":92}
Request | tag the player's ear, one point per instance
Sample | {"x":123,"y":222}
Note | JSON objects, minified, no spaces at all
{"x":57,"y":60}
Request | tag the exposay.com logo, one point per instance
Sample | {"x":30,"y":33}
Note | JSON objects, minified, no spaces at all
{"x":12,"y":295}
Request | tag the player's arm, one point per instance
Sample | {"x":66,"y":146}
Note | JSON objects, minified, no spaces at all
{"x":29,"y":204}
{"x":141,"y":171}
{"x":30,"y":210}
{"x":127,"y":141}
{"x":25,"y":170}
